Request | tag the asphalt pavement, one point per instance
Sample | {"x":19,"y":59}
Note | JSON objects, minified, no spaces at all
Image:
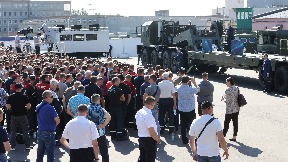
{"x":262,"y":136}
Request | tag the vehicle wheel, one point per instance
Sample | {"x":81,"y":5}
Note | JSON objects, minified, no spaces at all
{"x":145,"y":58}
{"x":174,"y":63}
{"x":281,"y":79}
{"x":154,"y":58}
{"x":166,"y":60}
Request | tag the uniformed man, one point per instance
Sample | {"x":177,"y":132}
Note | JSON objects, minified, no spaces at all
{"x":147,"y":131}
{"x":266,"y":73}
{"x":116,"y":97}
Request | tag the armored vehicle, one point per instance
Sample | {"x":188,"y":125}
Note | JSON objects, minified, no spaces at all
{"x":173,"y":46}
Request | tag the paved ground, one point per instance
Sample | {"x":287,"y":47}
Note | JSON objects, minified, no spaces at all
{"x":262,"y":137}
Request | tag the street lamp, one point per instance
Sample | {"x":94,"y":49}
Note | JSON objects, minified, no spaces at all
{"x":223,"y":12}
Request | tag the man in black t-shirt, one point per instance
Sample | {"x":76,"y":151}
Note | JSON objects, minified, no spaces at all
{"x":4,"y":143}
{"x":92,"y":88}
{"x":127,"y":94}
{"x":116,"y":97}
{"x":19,"y":103}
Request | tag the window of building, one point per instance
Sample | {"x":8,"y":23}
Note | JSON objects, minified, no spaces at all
{"x":0,"y":30}
{"x":78,"y":37}
{"x":15,"y":21}
{"x":26,"y":13}
{"x":20,"y":13}
{"x":21,"y":21}
{"x":30,"y":13}
{"x":10,"y":13}
{"x":15,"y":14}
{"x":90,"y":37}
{"x":10,"y":29}
{"x":16,"y":29}
{"x":4,"y":21}
{"x":67,"y":37}
{"x":4,"y":29}
{"x":0,"y":21}
{"x":4,"y":13}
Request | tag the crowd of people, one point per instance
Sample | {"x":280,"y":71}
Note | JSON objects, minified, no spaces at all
{"x":57,"y":100}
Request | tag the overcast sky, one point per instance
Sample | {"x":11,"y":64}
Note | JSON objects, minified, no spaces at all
{"x":148,"y":7}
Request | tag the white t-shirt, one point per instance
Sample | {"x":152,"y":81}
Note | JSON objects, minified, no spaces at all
{"x":167,"y":89}
{"x":17,"y":38}
{"x":80,"y":132}
{"x":145,"y":120}
{"x":207,"y":144}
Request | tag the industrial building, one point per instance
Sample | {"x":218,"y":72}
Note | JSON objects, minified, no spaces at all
{"x":13,"y":12}
{"x":267,"y":3}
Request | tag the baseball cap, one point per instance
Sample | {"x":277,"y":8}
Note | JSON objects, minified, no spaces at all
{"x":18,"y":85}
{"x":206,"y":104}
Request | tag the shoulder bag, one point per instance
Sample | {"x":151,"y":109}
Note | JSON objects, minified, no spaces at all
{"x":209,"y":121}
{"x":241,"y":99}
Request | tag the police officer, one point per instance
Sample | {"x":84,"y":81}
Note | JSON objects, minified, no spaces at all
{"x":116,"y":97}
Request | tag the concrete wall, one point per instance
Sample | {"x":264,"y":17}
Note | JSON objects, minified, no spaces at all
{"x":262,"y":24}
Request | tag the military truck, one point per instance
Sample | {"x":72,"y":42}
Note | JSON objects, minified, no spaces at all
{"x":173,"y":46}
{"x":166,"y":43}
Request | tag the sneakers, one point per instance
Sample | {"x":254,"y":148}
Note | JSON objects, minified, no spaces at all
{"x":12,"y":148}
{"x":28,"y":148}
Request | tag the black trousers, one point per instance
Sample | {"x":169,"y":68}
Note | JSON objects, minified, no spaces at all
{"x":228,"y":118}
{"x":8,"y":119}
{"x":32,"y":119}
{"x":82,"y":155}
{"x":166,"y":105}
{"x":267,"y":83}
{"x":199,"y":109}
{"x":139,"y":102}
{"x":102,"y":143}
{"x":18,"y":49}
{"x":116,"y":123}
{"x":130,"y":118}
{"x":186,"y":120}
{"x":148,"y":149}
{"x":37,"y":49}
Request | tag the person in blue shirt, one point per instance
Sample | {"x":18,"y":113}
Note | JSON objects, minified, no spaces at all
{"x":101,"y":118}
{"x":47,"y":121}
{"x":77,"y":100}
{"x":266,"y":73}
{"x":138,"y":81}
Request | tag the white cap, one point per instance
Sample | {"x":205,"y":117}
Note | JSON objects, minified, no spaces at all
{"x":166,"y":75}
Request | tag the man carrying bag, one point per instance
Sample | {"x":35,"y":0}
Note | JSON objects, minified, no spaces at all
{"x":208,"y":131}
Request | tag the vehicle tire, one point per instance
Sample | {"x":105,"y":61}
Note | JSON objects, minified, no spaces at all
{"x":281,"y":79}
{"x":145,"y":57}
{"x":174,"y":63}
{"x":166,"y":60}
{"x":154,"y":58}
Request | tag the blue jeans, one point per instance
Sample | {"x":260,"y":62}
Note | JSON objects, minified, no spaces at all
{"x":46,"y":141}
{"x":3,"y":158}
{"x":155,"y":115}
{"x":209,"y":159}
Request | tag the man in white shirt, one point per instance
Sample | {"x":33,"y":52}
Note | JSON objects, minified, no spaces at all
{"x":208,"y":131}
{"x":167,"y":102}
{"x":83,"y":148}
{"x":17,"y":42}
{"x":147,"y":131}
{"x":37,"y":41}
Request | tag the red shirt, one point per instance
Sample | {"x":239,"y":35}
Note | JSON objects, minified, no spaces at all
{"x":131,"y":86}
{"x":109,"y":84}
{"x":43,"y":86}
